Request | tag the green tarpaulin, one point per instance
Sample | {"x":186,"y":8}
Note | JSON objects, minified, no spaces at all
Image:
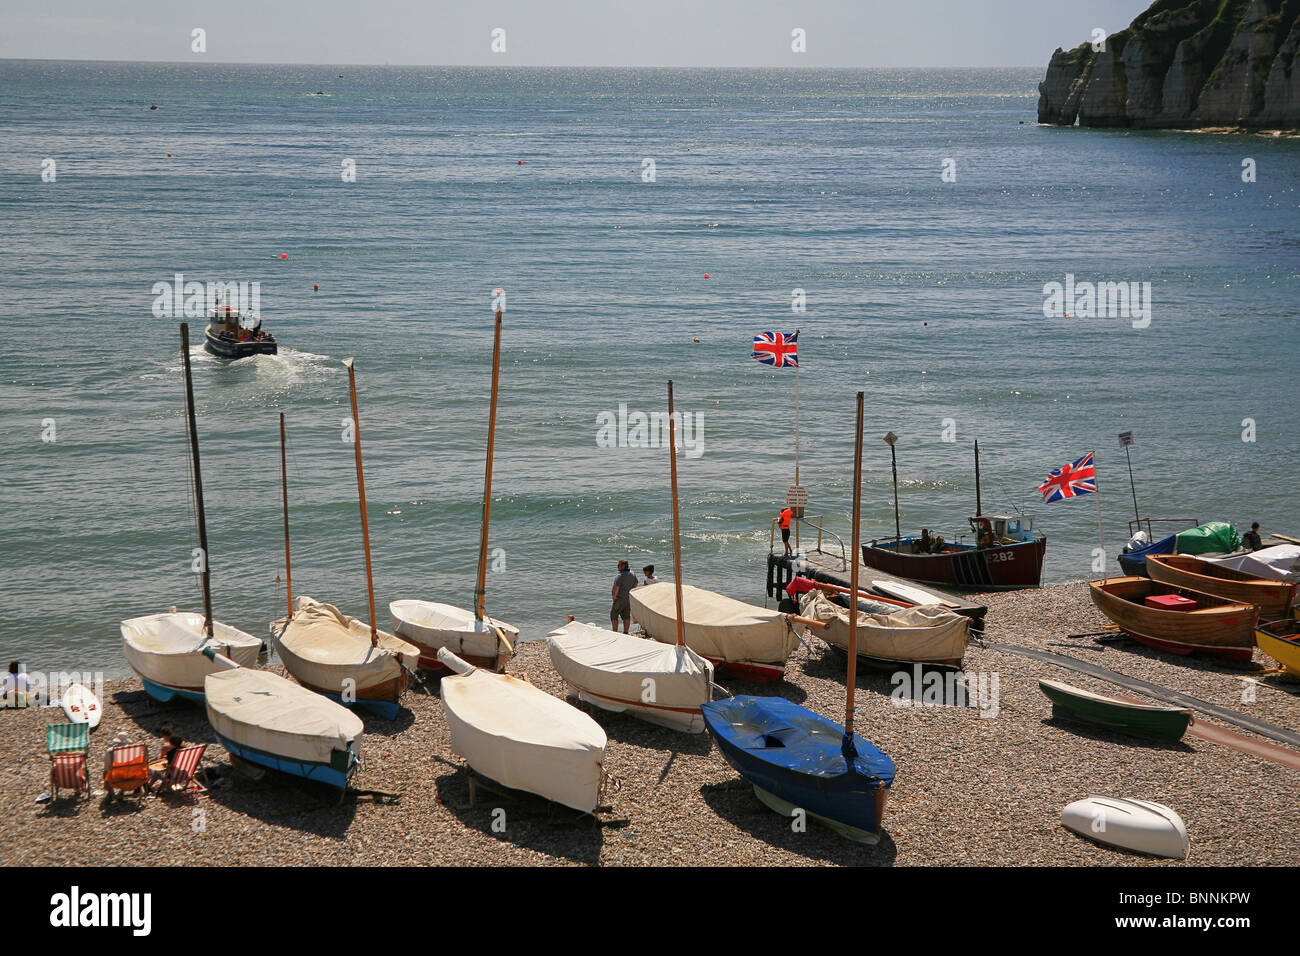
{"x":1211,"y":536}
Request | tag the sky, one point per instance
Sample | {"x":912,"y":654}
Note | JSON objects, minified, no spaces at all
{"x":674,"y":33}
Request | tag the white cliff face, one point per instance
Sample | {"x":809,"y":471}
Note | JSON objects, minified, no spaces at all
{"x":1196,"y":63}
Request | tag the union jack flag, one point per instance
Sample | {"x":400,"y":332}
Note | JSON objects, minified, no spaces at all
{"x":1076,"y":478}
{"x":778,"y":349}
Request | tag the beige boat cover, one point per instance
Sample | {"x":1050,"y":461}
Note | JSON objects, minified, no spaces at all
{"x":323,"y":647}
{"x":168,"y":648}
{"x":662,"y":683}
{"x":524,"y":738}
{"x":433,"y":625}
{"x":265,"y":711}
{"x":716,"y":626}
{"x":926,"y":633}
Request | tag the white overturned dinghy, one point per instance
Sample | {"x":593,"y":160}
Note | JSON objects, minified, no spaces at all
{"x":1137,"y":825}
{"x":748,"y":641}
{"x":269,"y":720}
{"x":332,"y":653}
{"x":521,"y":737}
{"x":431,"y":627}
{"x":665,"y":684}
{"x":167,"y":652}
{"x":926,"y":634}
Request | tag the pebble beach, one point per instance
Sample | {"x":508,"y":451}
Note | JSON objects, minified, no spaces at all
{"x":971,"y":790}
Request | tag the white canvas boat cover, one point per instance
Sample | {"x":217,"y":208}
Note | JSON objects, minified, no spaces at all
{"x":715,"y":626}
{"x":524,"y":738}
{"x":662,"y":682}
{"x":168,"y":648}
{"x":262,"y":710}
{"x":322,"y":646}
{"x":1278,"y":563}
{"x":926,"y":633}
{"x":432,"y":625}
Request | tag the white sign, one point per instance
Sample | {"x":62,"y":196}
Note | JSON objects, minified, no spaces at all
{"x":796,"y":496}
{"x":1126,"y":439}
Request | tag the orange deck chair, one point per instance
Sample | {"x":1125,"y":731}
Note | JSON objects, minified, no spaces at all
{"x":129,"y":770}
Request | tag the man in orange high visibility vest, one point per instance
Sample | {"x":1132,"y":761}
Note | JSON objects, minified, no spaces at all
{"x":784,"y":522}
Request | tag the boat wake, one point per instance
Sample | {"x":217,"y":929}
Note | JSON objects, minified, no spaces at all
{"x":287,"y":367}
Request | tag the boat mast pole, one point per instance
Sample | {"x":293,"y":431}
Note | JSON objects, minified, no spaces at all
{"x":361,"y":493}
{"x":206,"y":574}
{"x":1132,"y":487}
{"x":796,"y":437}
{"x":979,"y":510}
{"x":898,"y":531}
{"x":850,"y":751}
{"x":284,"y":492}
{"x":480,"y":588}
{"x":677,"y":541}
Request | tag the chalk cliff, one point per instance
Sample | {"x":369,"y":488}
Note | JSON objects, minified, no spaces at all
{"x":1184,"y":64}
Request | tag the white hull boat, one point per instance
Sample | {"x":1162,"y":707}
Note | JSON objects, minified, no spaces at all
{"x":166,"y":651}
{"x":664,"y":684}
{"x":521,"y":737}
{"x":914,"y":635}
{"x":330,"y":652}
{"x":431,"y":627}
{"x":749,"y":641}
{"x":1137,"y":825}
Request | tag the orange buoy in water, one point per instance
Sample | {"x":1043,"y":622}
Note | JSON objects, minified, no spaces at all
{"x":152,"y":107}
{"x":315,"y":287}
{"x":284,"y":255}
{"x":169,"y":155}
{"x":521,"y":162}
{"x":706,"y":275}
{"x":697,"y":338}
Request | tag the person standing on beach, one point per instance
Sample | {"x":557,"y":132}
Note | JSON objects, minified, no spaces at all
{"x":622,"y":606}
{"x":649,"y":572}
{"x":784,"y":521}
{"x":1251,"y":538}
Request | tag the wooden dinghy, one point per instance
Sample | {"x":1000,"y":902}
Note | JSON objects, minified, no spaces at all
{"x":915,"y":635}
{"x":1137,"y":825}
{"x":665,"y":684}
{"x":750,"y":642}
{"x":521,"y":737}
{"x":332,"y":653}
{"x":1280,"y":640}
{"x":1216,"y":626}
{"x":431,"y":626}
{"x":269,"y":720}
{"x":1275,"y":598}
{"x":1148,"y":720}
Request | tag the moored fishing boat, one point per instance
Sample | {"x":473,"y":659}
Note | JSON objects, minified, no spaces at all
{"x":1150,"y":720}
{"x":1138,"y":825}
{"x":1207,"y":624}
{"x":1275,"y":598}
{"x":1280,"y":640}
{"x":229,"y":336}
{"x":917,"y":635}
{"x":269,"y":720}
{"x":330,"y":652}
{"x":750,"y":642}
{"x":521,"y":737}
{"x":797,"y":760}
{"x":167,"y":650}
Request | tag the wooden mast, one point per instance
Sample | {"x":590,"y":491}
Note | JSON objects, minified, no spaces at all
{"x":284,"y":493}
{"x":850,"y":751}
{"x":677,"y":541}
{"x":480,"y":587}
{"x":978,"y":509}
{"x":206,"y":573}
{"x":361,"y":492}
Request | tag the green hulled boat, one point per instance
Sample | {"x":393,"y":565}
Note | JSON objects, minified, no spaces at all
{"x":1147,"y":720}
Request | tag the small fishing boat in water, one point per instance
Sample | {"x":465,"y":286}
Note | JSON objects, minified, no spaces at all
{"x":1275,"y":598}
{"x":229,"y":335}
{"x":1178,"y":620}
{"x":1148,"y":720}
{"x":167,"y":651}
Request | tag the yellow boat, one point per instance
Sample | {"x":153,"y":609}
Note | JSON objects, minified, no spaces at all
{"x":1280,"y":640}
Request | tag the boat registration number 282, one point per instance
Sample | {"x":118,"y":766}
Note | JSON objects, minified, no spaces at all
{"x":1002,"y":556}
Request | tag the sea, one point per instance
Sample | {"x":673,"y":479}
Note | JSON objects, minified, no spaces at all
{"x":645,"y":225}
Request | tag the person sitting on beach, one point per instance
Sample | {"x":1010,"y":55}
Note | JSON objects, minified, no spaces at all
{"x":622,"y":606}
{"x":1251,"y":538}
{"x":649,"y":572}
{"x":17,"y":685}
{"x":121,"y":740}
{"x":159,"y":769}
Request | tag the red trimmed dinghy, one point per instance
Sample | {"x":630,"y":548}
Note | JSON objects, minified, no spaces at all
{"x":1215,"y":626}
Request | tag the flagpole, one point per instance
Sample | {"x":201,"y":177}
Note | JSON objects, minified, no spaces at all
{"x":1100,"y":535}
{"x":796,"y":434}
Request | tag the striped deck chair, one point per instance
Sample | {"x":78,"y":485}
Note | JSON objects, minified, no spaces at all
{"x":129,"y":770}
{"x":67,"y":739}
{"x":180,"y":776}
{"x":68,"y":772}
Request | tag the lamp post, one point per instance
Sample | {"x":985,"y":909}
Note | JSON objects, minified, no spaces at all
{"x":893,"y":461}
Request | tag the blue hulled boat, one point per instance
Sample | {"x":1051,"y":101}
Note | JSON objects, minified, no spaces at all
{"x":800,"y":760}
{"x":229,"y":336}
{"x":1134,"y":562}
